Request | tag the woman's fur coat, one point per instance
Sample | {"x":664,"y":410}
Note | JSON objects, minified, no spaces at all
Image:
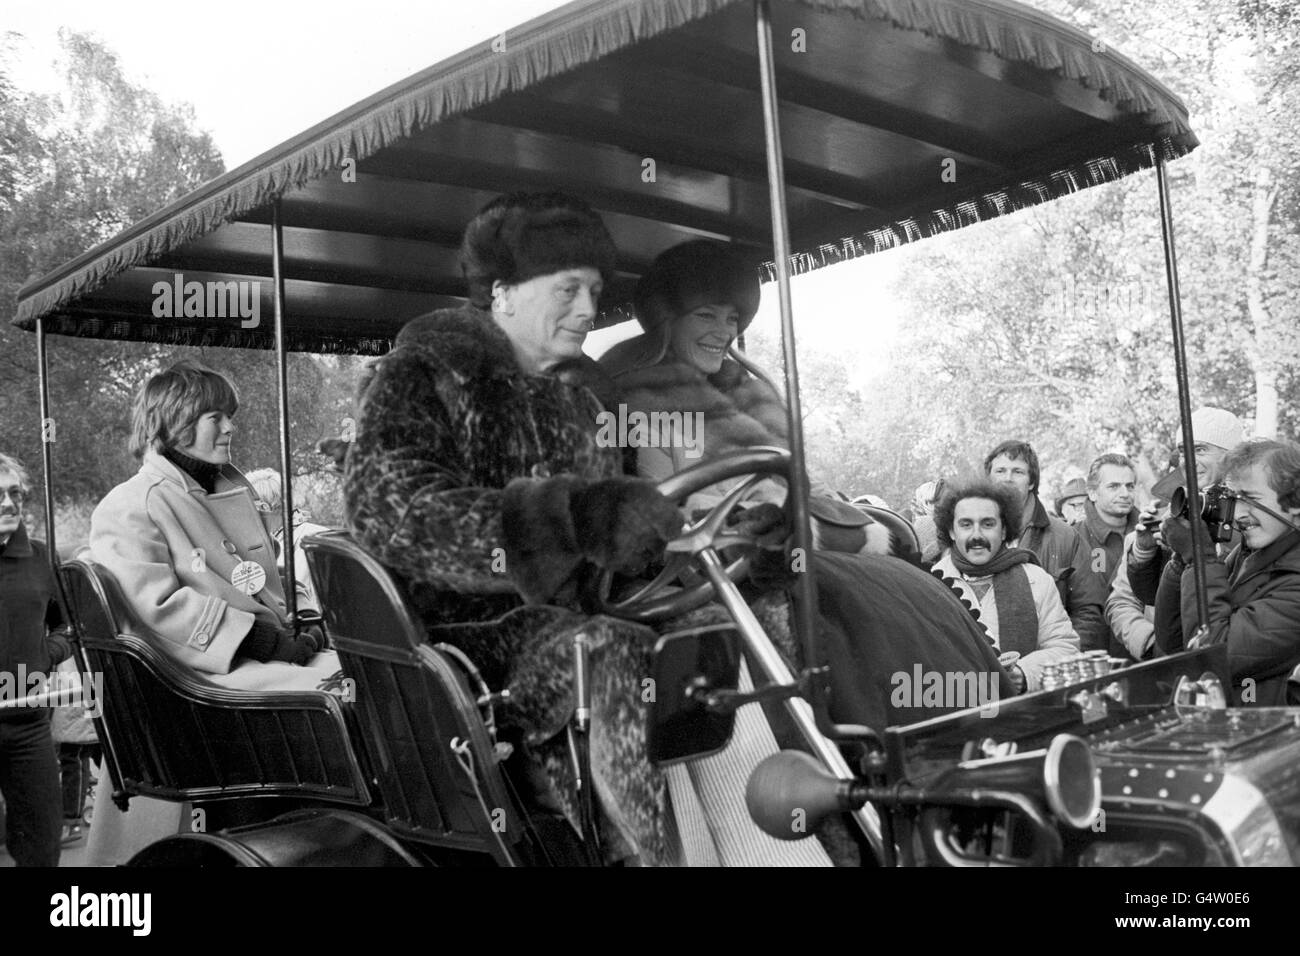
{"x":740,"y":411}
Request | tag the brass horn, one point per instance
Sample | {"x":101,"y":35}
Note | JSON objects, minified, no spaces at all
{"x":789,"y":794}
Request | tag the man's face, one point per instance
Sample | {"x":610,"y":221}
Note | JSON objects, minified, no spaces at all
{"x":1072,"y":509}
{"x":1013,"y":472}
{"x":1258,"y":528}
{"x":1208,"y":458}
{"x":548,"y":317}
{"x":11,"y":504}
{"x":977,"y":531}
{"x":1114,"y":494}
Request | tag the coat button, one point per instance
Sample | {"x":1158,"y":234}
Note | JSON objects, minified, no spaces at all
{"x":228,"y":545}
{"x":202,"y":639}
{"x":541,"y":471}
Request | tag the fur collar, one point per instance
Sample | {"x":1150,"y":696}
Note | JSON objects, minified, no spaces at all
{"x":740,"y":411}
{"x":468,"y":343}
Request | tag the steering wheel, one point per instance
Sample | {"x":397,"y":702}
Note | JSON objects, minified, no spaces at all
{"x":659,"y":599}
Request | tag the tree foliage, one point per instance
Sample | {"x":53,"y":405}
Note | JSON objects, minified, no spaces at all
{"x":76,"y":168}
{"x":1052,"y":325}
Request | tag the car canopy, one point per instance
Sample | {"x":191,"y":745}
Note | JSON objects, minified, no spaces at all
{"x":899,"y":118}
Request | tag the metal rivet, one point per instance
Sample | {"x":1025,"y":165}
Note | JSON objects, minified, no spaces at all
{"x":1171,"y":774}
{"x":1196,"y":798}
{"x":1209,"y":778}
{"x":1162,"y":793}
{"x":1133,"y":772}
{"x":1127,"y":790}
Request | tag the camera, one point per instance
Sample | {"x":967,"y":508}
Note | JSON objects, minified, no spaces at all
{"x":1218,"y":507}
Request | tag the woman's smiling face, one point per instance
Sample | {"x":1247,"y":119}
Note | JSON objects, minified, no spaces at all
{"x":700,"y":337}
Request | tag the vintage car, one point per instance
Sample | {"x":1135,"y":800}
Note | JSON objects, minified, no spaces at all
{"x":804,"y":133}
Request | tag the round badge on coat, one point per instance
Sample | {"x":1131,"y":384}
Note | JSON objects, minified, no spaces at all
{"x":248,"y":577}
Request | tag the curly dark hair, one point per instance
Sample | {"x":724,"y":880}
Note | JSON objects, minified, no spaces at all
{"x":1281,"y":460}
{"x":1005,"y":497}
{"x":1014,"y":450}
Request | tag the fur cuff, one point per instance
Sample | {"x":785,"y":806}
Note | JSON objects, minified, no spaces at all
{"x":541,"y":547}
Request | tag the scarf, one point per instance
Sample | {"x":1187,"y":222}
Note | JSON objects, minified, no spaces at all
{"x":204,"y":472}
{"x":1017,"y":613}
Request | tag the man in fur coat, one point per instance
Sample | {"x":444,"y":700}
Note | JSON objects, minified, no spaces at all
{"x":477,"y":476}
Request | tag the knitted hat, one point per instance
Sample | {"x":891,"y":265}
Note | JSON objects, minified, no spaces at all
{"x":1074,"y":488}
{"x":520,"y":236}
{"x":692,"y":274}
{"x":1217,"y":427}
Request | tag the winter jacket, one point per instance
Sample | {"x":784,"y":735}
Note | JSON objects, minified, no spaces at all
{"x":1105,"y":544}
{"x":1057,"y":639}
{"x":1254,"y":606}
{"x":171,"y":549}
{"x":1064,"y":556}
{"x":33,"y":638}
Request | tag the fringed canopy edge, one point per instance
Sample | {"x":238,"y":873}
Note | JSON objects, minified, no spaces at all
{"x":469,"y":80}
{"x":988,"y":205}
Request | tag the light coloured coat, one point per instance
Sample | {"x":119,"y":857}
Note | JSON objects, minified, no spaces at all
{"x":1131,"y":621}
{"x":171,"y":548}
{"x":1057,"y":639}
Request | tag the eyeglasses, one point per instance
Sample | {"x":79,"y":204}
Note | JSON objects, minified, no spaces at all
{"x":16,"y":495}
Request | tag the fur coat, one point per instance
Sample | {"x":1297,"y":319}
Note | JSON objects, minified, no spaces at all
{"x":447,"y":425}
{"x":737,"y":411}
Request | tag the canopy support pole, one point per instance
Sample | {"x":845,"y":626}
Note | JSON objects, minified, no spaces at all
{"x":805,"y":591}
{"x":48,"y":430}
{"x":282,"y":381}
{"x":1200,"y":534}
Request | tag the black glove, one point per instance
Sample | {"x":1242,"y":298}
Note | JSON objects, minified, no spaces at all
{"x":1178,"y":536}
{"x":622,"y":524}
{"x":314,"y":636}
{"x":269,"y":642}
{"x":771,"y":567}
{"x":766,"y":522}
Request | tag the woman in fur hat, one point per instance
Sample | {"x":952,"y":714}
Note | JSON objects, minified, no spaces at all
{"x":880,"y":616}
{"x":697,"y":298}
{"x":478,"y":477}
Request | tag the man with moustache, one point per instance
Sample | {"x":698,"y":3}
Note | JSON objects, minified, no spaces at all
{"x":1254,"y":592}
{"x":1059,"y":549}
{"x":1018,"y":602}
{"x":31,"y":641}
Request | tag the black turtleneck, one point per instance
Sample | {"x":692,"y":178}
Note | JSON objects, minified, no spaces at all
{"x":204,"y":472}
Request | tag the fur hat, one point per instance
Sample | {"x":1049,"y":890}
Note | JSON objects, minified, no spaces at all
{"x":1217,"y":427}
{"x":1074,"y":488}
{"x":695,"y":273}
{"x":520,"y":236}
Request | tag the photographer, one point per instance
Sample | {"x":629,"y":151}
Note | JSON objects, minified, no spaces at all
{"x":1254,"y":593}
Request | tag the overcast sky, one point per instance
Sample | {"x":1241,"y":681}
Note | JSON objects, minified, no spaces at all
{"x":258,"y":72}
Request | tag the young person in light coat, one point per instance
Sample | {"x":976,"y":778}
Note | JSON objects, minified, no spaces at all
{"x":196,"y":568}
